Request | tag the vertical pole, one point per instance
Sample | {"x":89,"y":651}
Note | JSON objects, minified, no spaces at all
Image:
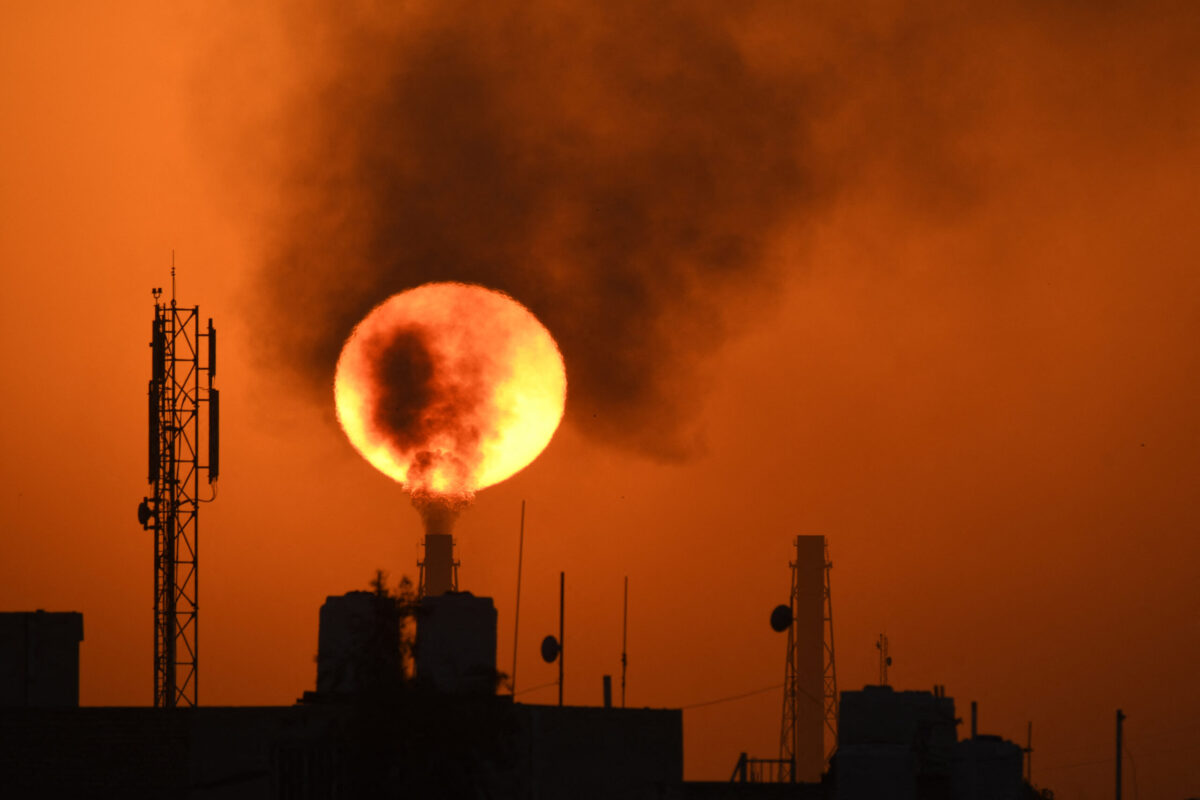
{"x":793,"y":643}
{"x":562,"y":591}
{"x":172,"y":479}
{"x":194,"y":555}
{"x":517,"y":613}
{"x":608,"y":691}
{"x":1120,"y":721}
{"x":974,"y":719}
{"x":624,"y":639}
{"x":1029,"y":754}
{"x":885,"y":660}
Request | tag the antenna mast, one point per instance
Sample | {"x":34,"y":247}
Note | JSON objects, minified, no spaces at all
{"x":885,"y":660}
{"x":624,"y":639}
{"x":829,"y":672}
{"x":172,"y":511}
{"x":517,"y":613}
{"x":562,"y":594}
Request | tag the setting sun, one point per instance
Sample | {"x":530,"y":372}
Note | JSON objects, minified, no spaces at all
{"x":449,"y":388}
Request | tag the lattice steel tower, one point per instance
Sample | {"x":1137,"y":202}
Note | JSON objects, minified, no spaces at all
{"x":176,"y":395}
{"x":810,"y":699}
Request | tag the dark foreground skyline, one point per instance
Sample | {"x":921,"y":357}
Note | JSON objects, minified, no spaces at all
{"x":972,"y":366}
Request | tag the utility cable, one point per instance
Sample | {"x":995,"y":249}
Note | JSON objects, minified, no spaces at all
{"x":535,"y":688}
{"x":1109,"y":759}
{"x":733,"y":697}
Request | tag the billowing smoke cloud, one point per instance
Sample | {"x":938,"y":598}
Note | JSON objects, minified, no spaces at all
{"x":622,"y":171}
{"x":623,"y":168}
{"x":416,"y":405}
{"x":403,"y":371}
{"x":618,"y":172}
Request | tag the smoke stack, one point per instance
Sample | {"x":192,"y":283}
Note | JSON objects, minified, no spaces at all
{"x":808,"y":656}
{"x":439,"y":572}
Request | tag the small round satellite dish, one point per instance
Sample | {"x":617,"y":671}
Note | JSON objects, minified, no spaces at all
{"x":550,"y":649}
{"x":781,"y":618}
{"x":144,"y":512}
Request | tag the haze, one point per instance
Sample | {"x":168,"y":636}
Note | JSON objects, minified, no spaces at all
{"x":957,"y":336}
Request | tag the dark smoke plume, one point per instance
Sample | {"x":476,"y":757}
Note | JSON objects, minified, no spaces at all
{"x":415,"y":404}
{"x":620,"y":170}
{"x":439,"y":512}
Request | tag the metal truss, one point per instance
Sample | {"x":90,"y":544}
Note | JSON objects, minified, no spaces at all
{"x":173,"y":511}
{"x":791,"y":690}
{"x":829,"y":674}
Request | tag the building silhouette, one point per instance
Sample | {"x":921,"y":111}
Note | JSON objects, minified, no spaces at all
{"x":390,"y":718}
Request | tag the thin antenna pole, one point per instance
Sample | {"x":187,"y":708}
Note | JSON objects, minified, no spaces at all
{"x":1029,"y":754}
{"x":517,"y":614}
{"x":1120,"y":722}
{"x":172,"y":276}
{"x":624,"y":640}
{"x":885,"y":660}
{"x":562,"y":593}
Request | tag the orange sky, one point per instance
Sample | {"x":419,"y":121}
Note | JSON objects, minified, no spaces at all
{"x":971,"y":363}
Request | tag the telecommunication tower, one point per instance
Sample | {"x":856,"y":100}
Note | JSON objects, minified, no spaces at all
{"x":810,"y":698}
{"x":172,"y":511}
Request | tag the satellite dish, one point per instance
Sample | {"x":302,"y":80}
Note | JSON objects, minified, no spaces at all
{"x":550,"y":649}
{"x":144,"y":512}
{"x":781,"y":618}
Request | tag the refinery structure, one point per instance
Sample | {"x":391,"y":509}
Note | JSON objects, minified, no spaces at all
{"x":407,"y":699}
{"x":392,"y":715}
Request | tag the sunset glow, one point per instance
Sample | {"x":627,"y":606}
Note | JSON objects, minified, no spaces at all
{"x":921,"y":280}
{"x":449,"y":388}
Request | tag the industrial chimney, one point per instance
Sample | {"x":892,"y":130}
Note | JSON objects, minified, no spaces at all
{"x":439,"y":570}
{"x":456,"y":631}
{"x":810,"y":688}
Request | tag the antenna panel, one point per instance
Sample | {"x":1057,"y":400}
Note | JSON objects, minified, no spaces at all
{"x":214,"y":434}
